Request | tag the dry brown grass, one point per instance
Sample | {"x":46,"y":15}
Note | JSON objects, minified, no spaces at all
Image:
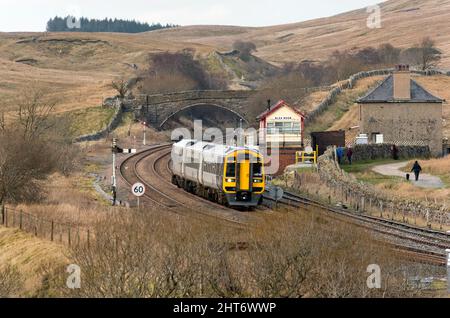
{"x":78,"y":73}
{"x":155,"y":255}
{"x":439,"y":167}
{"x":309,"y":102}
{"x":317,"y":39}
{"x":29,"y":255}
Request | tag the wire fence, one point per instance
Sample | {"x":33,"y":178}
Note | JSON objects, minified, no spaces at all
{"x":63,"y":233}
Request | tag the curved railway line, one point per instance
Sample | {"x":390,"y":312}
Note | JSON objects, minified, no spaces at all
{"x":151,"y":167}
{"x":422,"y":244}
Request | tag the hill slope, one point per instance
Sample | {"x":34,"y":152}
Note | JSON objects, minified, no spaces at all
{"x":78,"y":67}
{"x":404,"y":23}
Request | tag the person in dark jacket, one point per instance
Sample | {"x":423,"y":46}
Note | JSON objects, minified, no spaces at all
{"x":394,"y":150}
{"x":349,"y":155}
{"x":417,"y":169}
{"x":339,"y":154}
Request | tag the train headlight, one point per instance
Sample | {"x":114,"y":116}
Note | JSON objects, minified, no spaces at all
{"x":257,"y":180}
{"x":230,"y":180}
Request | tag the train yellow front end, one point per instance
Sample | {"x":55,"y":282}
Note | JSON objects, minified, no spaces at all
{"x":232,"y":176}
{"x":243,"y":178}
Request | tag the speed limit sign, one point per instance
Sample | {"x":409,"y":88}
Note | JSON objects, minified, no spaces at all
{"x":138,"y":189}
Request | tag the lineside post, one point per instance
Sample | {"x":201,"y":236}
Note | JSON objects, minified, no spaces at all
{"x":113,"y":181}
{"x":448,"y":270}
{"x":2,"y":211}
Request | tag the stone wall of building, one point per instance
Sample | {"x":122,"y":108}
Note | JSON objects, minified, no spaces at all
{"x":400,"y":122}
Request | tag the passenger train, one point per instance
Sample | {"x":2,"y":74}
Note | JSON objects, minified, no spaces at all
{"x":231,"y":176}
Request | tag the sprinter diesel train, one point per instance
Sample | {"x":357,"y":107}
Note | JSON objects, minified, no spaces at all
{"x":232,"y":176}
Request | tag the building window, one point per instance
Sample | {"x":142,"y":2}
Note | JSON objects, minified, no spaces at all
{"x":285,"y":128}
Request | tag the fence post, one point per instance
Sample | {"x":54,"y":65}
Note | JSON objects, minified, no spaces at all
{"x":20,"y":219}
{"x":2,"y":211}
{"x":68,"y":233}
{"x":53,"y":228}
{"x":88,"y":238}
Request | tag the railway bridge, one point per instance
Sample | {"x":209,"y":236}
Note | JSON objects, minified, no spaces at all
{"x":157,"y":110}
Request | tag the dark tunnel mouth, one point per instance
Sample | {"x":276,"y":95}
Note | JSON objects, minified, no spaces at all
{"x":197,"y":112}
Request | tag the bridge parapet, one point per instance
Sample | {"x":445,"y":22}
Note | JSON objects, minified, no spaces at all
{"x":157,"y":109}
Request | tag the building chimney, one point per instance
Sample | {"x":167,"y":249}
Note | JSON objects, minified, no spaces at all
{"x":402,"y":82}
{"x":268,"y":104}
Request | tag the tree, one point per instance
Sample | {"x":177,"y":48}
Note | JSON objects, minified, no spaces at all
{"x":425,"y":55}
{"x":32,"y":146}
{"x":58,"y":24}
{"x":170,"y":72}
{"x":120,"y":86}
{"x":429,"y":56}
{"x":389,"y":54}
{"x":245,"y":49}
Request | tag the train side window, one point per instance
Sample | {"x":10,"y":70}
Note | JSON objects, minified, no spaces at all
{"x":257,"y":169}
{"x":231,"y":170}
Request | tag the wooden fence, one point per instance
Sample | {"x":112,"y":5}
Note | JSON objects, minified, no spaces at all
{"x":63,"y":233}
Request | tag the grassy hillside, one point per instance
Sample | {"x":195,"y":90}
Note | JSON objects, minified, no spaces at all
{"x":29,"y":255}
{"x":79,"y":66}
{"x":404,"y":22}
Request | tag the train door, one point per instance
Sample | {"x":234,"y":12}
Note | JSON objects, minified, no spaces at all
{"x":244,"y":172}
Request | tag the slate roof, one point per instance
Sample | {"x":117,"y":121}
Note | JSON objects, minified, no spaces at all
{"x":276,"y":107}
{"x":384,"y":93}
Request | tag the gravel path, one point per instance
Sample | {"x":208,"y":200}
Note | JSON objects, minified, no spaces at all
{"x":394,"y":169}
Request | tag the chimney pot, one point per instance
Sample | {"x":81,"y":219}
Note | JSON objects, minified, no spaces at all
{"x":268,"y":104}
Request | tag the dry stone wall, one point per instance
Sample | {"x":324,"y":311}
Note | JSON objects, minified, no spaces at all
{"x":384,"y":151}
{"x":118,"y":109}
{"x":362,"y":197}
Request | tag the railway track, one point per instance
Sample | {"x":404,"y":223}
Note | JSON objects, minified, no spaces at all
{"x":422,"y":244}
{"x":151,"y":167}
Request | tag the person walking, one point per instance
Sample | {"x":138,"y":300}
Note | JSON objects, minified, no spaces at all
{"x":417,"y":169}
{"x":350,"y":155}
{"x":339,"y":154}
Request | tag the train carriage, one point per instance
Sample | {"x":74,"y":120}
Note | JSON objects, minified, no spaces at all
{"x":232,"y":176}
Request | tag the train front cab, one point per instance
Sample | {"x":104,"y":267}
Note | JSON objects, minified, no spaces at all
{"x":243,"y":178}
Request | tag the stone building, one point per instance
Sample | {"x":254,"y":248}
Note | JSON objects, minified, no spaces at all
{"x":400,"y":111}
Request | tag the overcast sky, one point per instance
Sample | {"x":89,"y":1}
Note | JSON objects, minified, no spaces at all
{"x":32,"y":15}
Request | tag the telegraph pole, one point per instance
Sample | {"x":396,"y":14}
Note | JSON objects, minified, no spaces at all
{"x":144,"y":142}
{"x":113,"y":178}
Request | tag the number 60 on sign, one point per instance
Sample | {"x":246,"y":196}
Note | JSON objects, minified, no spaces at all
{"x":138,"y":189}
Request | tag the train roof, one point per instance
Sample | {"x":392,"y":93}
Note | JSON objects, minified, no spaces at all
{"x":197,"y":145}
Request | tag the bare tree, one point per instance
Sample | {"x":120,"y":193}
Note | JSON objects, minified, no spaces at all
{"x":245,"y":49}
{"x":34,"y":110}
{"x":429,"y":54}
{"x":31,"y":148}
{"x":425,"y":55}
{"x":120,"y":86}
